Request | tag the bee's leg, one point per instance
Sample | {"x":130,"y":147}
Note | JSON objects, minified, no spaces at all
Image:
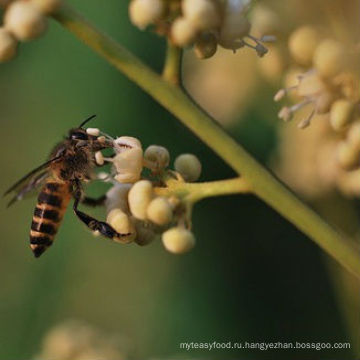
{"x":94,"y":202}
{"x":102,"y":145}
{"x":95,"y":225}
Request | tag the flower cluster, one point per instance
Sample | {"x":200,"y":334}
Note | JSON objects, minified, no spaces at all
{"x":325,"y":88}
{"x":202,"y":23}
{"x":24,"y":20}
{"x":141,"y":203}
{"x":326,"y":81}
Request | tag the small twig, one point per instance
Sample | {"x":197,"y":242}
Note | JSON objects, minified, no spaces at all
{"x":194,"y":192}
{"x":172,"y":66}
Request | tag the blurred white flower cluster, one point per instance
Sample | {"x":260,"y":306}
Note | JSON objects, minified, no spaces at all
{"x":324,"y":85}
{"x":202,"y":23}
{"x":75,"y":340}
{"x":24,"y":20}
{"x":328,"y":82}
{"x":138,"y":202}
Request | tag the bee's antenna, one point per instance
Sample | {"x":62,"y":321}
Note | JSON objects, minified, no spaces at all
{"x":86,"y":120}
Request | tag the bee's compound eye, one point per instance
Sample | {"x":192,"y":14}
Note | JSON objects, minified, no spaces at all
{"x":78,"y":135}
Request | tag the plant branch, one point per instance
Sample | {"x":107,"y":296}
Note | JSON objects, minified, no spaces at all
{"x":172,"y":65}
{"x":193,"y":192}
{"x":263,"y":183}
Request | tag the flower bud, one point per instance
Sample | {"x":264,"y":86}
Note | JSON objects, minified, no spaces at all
{"x":265,"y":20}
{"x":205,"y":46}
{"x":353,"y":135}
{"x":302,"y":44}
{"x":158,"y":155}
{"x":341,"y":114}
{"x":329,"y":58}
{"x":145,"y":232}
{"x":235,"y":25}
{"x":140,"y":196}
{"x":47,"y":6}
{"x":24,"y":20}
{"x":349,"y":81}
{"x":178,"y":240}
{"x":8,"y":46}
{"x":159,"y":211}
{"x":121,"y":223}
{"x":183,"y":32}
{"x":145,"y":12}
{"x":348,"y":157}
{"x":349,"y":183}
{"x":117,"y":197}
{"x":203,"y":14}
{"x":189,"y":166}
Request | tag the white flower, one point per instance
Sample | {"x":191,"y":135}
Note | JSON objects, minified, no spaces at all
{"x":128,"y":162}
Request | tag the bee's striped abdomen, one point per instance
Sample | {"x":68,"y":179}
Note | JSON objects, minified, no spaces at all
{"x":52,"y":202}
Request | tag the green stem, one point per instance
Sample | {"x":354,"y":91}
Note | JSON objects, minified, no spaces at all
{"x":263,"y":183}
{"x":194,"y":192}
{"x":172,"y":65}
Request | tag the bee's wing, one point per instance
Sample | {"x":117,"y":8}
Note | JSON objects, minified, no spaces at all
{"x":28,"y":187}
{"x":30,"y":181}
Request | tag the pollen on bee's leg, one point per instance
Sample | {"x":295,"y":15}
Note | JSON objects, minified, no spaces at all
{"x":105,"y":176}
{"x":93,"y":131}
{"x":101,"y":139}
{"x":96,"y":233}
{"x":99,"y":158}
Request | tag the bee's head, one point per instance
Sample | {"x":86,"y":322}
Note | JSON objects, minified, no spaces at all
{"x":78,"y":134}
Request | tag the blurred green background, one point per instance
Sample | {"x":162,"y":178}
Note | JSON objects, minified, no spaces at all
{"x":251,"y":277}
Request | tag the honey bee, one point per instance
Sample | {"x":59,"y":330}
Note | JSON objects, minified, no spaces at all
{"x":59,"y":179}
